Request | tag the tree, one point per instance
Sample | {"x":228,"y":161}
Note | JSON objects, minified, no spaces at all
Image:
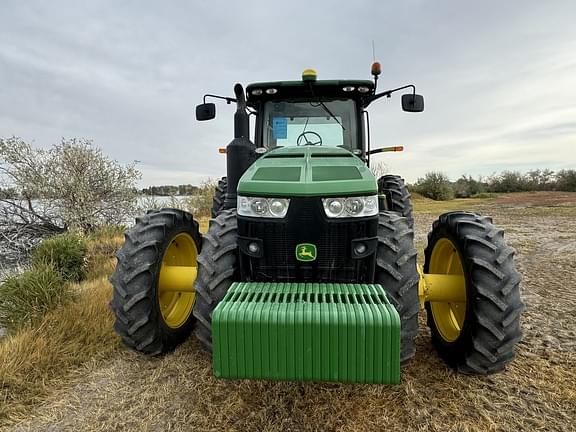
{"x":538,"y":179}
{"x":435,"y":185}
{"x":71,"y":185}
{"x":466,"y":186}
{"x":508,"y":181}
{"x":566,"y":180}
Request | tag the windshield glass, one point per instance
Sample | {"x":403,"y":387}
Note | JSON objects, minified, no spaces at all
{"x":326,"y":123}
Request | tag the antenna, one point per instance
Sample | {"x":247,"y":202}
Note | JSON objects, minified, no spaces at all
{"x":373,"y":51}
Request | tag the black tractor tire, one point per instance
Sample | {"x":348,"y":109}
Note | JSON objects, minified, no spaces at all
{"x":219,"y":197}
{"x":396,"y":272}
{"x":491,"y":326}
{"x":135,"y":280}
{"x":217,"y":270}
{"x":397,"y":196}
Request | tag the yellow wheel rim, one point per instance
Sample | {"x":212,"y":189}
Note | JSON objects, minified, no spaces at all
{"x":176,"y":293}
{"x":448,"y":316}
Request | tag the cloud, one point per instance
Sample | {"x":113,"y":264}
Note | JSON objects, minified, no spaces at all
{"x":498,"y":78}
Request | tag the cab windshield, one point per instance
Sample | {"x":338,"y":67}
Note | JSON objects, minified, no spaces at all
{"x":321,"y":123}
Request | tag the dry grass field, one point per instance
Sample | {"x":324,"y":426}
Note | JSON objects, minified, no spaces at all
{"x":72,"y":374}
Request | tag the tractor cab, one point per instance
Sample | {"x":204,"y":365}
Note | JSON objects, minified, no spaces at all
{"x":310,"y":113}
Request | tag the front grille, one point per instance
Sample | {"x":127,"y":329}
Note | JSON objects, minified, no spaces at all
{"x":307,"y":223}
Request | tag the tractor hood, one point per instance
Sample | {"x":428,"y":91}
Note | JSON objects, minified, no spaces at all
{"x":307,"y":171}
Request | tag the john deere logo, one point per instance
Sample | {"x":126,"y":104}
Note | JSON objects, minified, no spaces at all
{"x":306,"y":252}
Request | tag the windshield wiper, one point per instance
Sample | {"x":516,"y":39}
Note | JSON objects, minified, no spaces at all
{"x":320,"y":103}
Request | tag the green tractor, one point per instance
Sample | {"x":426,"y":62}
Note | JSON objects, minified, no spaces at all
{"x":308,"y":269}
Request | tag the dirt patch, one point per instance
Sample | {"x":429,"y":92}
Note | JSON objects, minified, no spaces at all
{"x":537,"y":199}
{"x":178,"y":392}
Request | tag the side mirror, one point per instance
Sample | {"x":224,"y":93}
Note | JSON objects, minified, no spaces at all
{"x":412,"y":102}
{"x":206,"y":111}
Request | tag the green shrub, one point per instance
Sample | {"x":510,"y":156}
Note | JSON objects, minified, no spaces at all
{"x":566,"y":180}
{"x":509,"y":181}
{"x":65,"y":253}
{"x":28,"y":296}
{"x":435,"y":185}
{"x":466,"y":186}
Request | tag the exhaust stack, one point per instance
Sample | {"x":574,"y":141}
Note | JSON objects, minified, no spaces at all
{"x":240,"y":151}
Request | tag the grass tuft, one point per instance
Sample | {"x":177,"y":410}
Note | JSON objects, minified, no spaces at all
{"x":65,"y":253}
{"x":102,"y":244}
{"x":40,"y":357}
{"x":27,"y":297}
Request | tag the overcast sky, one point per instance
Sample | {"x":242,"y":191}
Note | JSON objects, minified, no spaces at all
{"x":499,"y":77}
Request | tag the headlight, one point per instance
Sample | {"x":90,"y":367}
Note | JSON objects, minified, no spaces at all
{"x":354,"y":206}
{"x":259,"y":206}
{"x":278,"y":206}
{"x":333,"y":206}
{"x":262,"y":207}
{"x":361,"y":206}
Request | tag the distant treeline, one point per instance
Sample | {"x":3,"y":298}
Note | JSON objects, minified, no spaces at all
{"x":437,"y":185}
{"x":171,"y":190}
{"x":165,"y":190}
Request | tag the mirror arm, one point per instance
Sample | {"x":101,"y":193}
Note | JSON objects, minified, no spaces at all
{"x":388,"y":93}
{"x":228,"y":100}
